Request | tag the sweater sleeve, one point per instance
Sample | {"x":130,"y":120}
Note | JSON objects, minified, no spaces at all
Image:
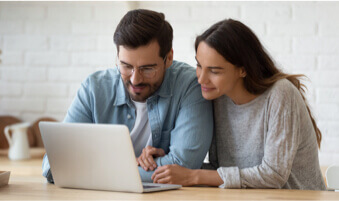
{"x":281,"y":144}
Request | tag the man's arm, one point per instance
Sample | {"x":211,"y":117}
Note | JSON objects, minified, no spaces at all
{"x":191,"y":136}
{"x":80,"y":109}
{"x":46,"y":170}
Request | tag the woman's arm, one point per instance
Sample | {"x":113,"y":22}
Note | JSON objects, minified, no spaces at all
{"x":175,"y":174}
{"x":208,"y":177}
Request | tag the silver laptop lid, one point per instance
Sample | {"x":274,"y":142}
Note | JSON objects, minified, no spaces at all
{"x":75,"y":150}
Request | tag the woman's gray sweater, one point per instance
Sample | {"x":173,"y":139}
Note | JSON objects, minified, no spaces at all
{"x":269,"y":142}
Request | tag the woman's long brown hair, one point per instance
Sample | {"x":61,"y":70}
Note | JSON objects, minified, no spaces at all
{"x":240,"y":46}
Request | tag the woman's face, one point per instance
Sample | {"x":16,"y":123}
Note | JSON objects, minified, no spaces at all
{"x":216,"y":75}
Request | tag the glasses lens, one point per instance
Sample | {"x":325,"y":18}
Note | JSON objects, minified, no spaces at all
{"x":125,"y":70}
{"x":148,"y":72}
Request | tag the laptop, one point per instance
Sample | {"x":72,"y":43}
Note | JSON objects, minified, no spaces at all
{"x":94,"y":156}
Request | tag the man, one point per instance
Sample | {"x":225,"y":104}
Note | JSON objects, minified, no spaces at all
{"x":158,"y":99}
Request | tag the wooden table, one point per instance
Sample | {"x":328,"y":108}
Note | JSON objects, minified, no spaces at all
{"x":26,"y":183}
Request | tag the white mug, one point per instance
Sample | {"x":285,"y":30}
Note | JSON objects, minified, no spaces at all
{"x":18,"y":143}
{"x":332,"y":177}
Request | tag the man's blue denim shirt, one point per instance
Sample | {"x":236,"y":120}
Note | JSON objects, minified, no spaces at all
{"x":181,"y":119}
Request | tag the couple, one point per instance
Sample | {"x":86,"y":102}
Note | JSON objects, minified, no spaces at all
{"x":259,"y":130}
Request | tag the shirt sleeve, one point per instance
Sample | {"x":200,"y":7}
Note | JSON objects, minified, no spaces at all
{"x":191,"y":137}
{"x":46,"y":170}
{"x":80,"y":109}
{"x":281,"y":145}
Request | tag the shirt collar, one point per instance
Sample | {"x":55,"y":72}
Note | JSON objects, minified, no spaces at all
{"x":122,"y":96}
{"x":166,"y":88}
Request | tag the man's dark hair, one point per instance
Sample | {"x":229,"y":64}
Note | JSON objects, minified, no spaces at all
{"x":139,"y":27}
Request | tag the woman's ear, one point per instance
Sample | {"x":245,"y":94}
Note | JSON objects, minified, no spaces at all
{"x":242,"y":72}
{"x":169,"y":59}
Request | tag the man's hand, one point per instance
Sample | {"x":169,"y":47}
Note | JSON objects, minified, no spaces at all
{"x":146,"y":161}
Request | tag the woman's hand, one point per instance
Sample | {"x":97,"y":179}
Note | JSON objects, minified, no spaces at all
{"x":174,"y":174}
{"x":146,"y":161}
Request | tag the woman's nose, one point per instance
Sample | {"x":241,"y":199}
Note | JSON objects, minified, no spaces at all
{"x":202,"y":79}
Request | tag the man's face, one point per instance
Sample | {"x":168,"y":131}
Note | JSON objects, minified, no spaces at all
{"x":141,"y":84}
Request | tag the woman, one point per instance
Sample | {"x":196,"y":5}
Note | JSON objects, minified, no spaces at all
{"x":265,"y":135}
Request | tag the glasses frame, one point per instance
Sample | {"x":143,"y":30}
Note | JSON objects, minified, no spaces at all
{"x":139,"y":70}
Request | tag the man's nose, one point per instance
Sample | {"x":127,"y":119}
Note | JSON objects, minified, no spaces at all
{"x":136,"y":77}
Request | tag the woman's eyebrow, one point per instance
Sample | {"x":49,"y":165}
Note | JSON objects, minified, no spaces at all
{"x":211,"y":67}
{"x":215,"y":67}
{"x":196,"y":60}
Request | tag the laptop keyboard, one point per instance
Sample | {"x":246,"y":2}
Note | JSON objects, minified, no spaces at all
{"x":146,"y":186}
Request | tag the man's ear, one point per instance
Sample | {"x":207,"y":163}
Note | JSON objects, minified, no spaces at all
{"x":242,"y":72}
{"x":169,"y":59}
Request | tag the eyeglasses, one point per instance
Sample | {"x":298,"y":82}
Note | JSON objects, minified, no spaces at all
{"x":147,"y":71}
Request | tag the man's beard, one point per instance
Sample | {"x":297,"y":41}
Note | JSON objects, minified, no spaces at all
{"x":141,"y":97}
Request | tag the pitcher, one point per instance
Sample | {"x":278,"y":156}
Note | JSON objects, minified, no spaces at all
{"x":18,"y":143}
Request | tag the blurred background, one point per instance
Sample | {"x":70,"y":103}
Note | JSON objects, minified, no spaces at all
{"x":49,"y":48}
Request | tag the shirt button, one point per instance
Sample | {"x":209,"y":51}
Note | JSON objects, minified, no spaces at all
{"x":128,"y":116}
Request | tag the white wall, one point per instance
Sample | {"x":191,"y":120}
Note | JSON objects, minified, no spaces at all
{"x":48,"y":48}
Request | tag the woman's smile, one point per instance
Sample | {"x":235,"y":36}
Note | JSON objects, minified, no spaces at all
{"x":206,"y":88}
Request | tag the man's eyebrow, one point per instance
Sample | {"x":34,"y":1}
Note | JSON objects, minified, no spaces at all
{"x":125,"y":63}
{"x":148,"y":65}
{"x":143,"y":66}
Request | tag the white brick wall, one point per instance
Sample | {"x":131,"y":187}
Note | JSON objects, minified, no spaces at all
{"x":48,"y":48}
{"x":24,"y":42}
{"x":22,"y":11}
{"x":11,"y":27}
{"x":43,"y":59}
{"x":45,"y":90}
{"x":10,"y":89}
{"x":12,"y":58}
{"x":22,"y":74}
{"x":69,"y":43}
